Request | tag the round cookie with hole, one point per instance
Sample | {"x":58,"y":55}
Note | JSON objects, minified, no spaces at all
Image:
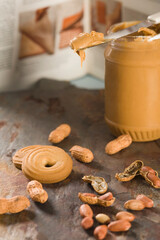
{"x":47,"y":164}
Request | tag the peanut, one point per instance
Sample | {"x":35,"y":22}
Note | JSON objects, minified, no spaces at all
{"x":100,"y":232}
{"x":154,"y":179}
{"x":147,"y":169}
{"x":107,"y":196}
{"x":87,"y":222}
{"x":119,"y":226}
{"x":102,"y":218}
{"x":14,"y":204}
{"x":94,"y":199}
{"x":88,"y":198}
{"x":82,"y":154}
{"x":134,"y":204}
{"x":130,"y":172}
{"x":86,"y":211}
{"x":61,"y":132}
{"x":147,"y":32}
{"x":118,"y":144}
{"x":125,"y":216}
{"x":36,"y":191}
{"x":147,"y":201}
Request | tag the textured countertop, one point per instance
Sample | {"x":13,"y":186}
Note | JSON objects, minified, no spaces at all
{"x":26,"y":118}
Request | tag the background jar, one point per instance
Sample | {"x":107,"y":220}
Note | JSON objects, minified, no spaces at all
{"x":132,"y":87}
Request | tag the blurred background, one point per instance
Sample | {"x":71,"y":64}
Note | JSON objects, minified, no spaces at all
{"x":35,"y":37}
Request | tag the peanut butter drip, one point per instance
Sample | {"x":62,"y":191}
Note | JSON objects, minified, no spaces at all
{"x":82,"y":55}
{"x":85,"y":40}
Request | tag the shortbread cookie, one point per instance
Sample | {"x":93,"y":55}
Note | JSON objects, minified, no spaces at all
{"x":20,"y":154}
{"x":47,"y":164}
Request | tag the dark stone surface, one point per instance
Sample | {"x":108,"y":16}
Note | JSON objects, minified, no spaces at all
{"x":26,"y":118}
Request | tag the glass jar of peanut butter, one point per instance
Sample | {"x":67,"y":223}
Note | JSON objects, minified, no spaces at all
{"x":132,"y":87}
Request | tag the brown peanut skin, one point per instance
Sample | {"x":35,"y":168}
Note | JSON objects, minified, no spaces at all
{"x":82,"y":154}
{"x":119,"y":226}
{"x":118,"y":144}
{"x":87,"y":222}
{"x":154,"y":179}
{"x":147,"y":201}
{"x":86,"y":211}
{"x":60,"y":133}
{"x":125,"y":216}
{"x":107,"y":196}
{"x":147,"y":169}
{"x":36,"y":191}
{"x":100,"y":232}
{"x":134,"y":204}
{"x":13,"y":205}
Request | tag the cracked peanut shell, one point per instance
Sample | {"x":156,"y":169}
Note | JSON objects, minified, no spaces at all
{"x":95,"y":200}
{"x":130,"y":172}
{"x":98,"y":183}
{"x":151,"y":176}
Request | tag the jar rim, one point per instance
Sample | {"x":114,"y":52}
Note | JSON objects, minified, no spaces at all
{"x":127,"y":24}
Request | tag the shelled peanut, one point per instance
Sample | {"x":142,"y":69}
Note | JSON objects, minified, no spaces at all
{"x":85,"y":211}
{"x":125,"y":216}
{"x":100,"y":232}
{"x":87,"y":214}
{"x":139,"y":203}
{"x":146,"y":201}
{"x":87,"y":222}
{"x":119,"y":226}
{"x":102,"y":218}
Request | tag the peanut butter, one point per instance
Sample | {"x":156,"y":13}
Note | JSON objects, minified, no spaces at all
{"x":85,"y":40}
{"x":123,"y":25}
{"x":82,"y":55}
{"x":147,"y":31}
{"x":132,"y":92}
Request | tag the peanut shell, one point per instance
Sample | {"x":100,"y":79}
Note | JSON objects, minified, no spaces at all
{"x":82,"y":154}
{"x":98,"y":183}
{"x":118,"y":144}
{"x":130,"y":172}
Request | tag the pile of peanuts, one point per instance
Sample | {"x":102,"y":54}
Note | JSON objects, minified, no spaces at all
{"x":122,"y":222}
{"x":123,"y":218}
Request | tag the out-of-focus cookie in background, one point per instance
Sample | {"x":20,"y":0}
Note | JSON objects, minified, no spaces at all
{"x":37,"y":32}
{"x":105,"y":13}
{"x":70,"y":23}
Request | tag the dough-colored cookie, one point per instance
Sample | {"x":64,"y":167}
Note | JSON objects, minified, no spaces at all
{"x":20,"y":154}
{"x":47,"y":164}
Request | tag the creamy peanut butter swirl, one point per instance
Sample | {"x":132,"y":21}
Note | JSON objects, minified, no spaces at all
{"x":86,"y":40}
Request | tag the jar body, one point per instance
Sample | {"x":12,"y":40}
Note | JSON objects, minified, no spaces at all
{"x":132,"y":89}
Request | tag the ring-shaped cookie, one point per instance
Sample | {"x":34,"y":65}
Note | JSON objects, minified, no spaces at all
{"x":21,"y":153}
{"x":47,"y":164}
